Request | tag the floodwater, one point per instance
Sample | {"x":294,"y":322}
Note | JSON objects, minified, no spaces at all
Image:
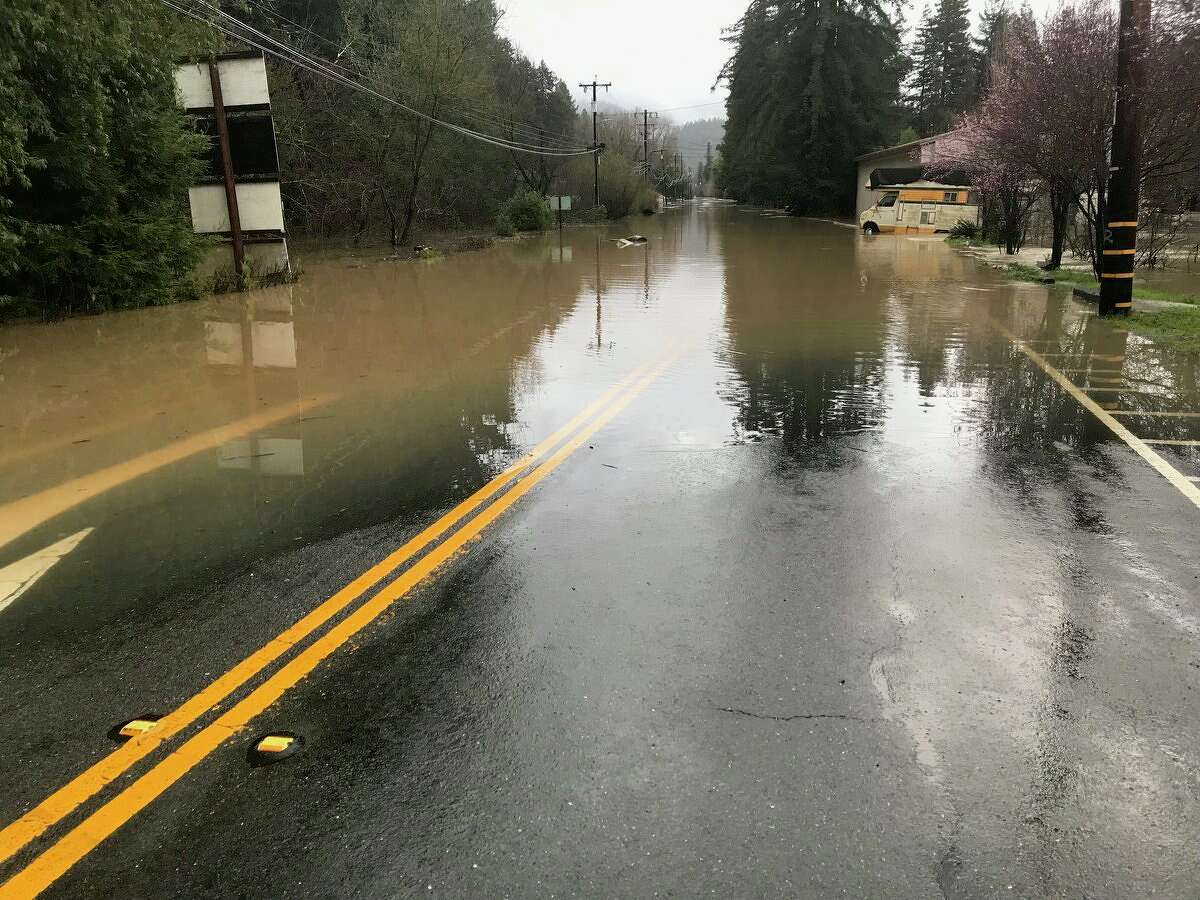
{"x":860,"y":598}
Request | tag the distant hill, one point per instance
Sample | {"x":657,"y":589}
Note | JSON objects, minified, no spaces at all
{"x":695,"y":136}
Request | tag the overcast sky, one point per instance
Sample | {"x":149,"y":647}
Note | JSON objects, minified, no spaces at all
{"x":657,"y":53}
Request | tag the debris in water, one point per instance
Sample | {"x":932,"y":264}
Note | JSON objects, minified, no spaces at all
{"x":632,"y":240}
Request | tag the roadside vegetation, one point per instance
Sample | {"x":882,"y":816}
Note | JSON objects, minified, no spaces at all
{"x":1178,"y":328}
{"x":1087,"y":280}
{"x":811,"y":85}
{"x":96,"y":158}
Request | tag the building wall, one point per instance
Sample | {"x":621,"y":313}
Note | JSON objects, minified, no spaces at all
{"x":865,"y":197}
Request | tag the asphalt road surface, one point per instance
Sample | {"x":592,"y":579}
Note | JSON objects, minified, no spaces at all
{"x":763,"y":560}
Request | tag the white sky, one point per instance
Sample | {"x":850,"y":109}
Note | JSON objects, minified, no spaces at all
{"x":657,"y":53}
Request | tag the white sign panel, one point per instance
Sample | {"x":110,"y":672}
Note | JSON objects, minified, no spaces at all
{"x":243,"y":83}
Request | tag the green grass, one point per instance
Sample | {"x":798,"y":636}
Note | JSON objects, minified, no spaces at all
{"x":1175,"y":328}
{"x":1085,"y":279}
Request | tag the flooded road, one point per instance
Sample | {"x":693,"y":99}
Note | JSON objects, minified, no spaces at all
{"x":767,"y":559}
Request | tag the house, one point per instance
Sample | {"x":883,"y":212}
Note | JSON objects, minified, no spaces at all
{"x":925,"y":150}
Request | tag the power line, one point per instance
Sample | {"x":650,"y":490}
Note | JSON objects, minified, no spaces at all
{"x":471,"y":112}
{"x":289,"y":54}
{"x":693,"y":106}
{"x":311,"y":61}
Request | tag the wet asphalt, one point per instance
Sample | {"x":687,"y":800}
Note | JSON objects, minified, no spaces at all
{"x":852,"y":600}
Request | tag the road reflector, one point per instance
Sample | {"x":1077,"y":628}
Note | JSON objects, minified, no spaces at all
{"x":273,"y":747}
{"x":133,"y":728}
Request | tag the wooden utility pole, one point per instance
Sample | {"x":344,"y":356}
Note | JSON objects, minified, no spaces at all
{"x":646,"y":140}
{"x":596,"y":148}
{"x":231,"y":201}
{"x":1121,"y":214}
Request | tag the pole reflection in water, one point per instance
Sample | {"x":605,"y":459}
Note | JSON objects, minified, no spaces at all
{"x":261,"y":339}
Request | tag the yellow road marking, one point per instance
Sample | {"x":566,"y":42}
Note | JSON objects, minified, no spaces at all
{"x":85,"y":837}
{"x":89,"y":782}
{"x":1129,"y":252}
{"x":1160,"y":465}
{"x":1142,"y":412}
{"x":20,"y":516}
{"x":1105,"y":357}
{"x":100,"y":430}
{"x":1116,"y":275}
{"x":1122,"y":224}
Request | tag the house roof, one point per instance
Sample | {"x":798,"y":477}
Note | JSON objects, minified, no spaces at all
{"x":918,"y":176}
{"x":888,"y":151}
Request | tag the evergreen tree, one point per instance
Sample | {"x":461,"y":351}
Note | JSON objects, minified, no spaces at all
{"x":945,"y":65}
{"x":957,"y":58}
{"x":993,"y":24}
{"x":812,"y":84}
{"x":95,"y":157}
{"x":924,"y":86}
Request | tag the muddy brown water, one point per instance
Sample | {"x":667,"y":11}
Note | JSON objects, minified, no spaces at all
{"x":848,"y":495}
{"x":371,"y":389}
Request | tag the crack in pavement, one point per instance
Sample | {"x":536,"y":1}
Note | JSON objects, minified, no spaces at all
{"x":754,"y":715}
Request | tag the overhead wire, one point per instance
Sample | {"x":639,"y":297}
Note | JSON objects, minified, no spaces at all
{"x":550,"y":138}
{"x":297,"y":58}
{"x":312,"y":61}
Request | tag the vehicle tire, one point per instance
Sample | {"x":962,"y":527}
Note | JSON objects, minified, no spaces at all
{"x":870,"y":228}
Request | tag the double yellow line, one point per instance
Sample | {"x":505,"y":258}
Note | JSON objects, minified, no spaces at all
{"x":99,"y":825}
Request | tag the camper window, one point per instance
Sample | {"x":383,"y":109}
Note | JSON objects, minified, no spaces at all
{"x":950,"y":197}
{"x":887,"y":200}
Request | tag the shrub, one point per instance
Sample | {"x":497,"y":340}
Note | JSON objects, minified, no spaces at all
{"x":526,"y":211}
{"x":95,"y":158}
{"x":590,"y":215}
{"x":504,"y":225}
{"x":647,"y":202}
{"x":965,"y":229}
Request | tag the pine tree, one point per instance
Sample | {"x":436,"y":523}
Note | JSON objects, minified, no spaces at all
{"x":925,"y":79}
{"x":812,"y":84}
{"x":958,"y":63}
{"x":942,"y":85}
{"x":993,"y":24}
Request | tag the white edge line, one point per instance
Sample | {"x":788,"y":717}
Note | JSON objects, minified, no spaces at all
{"x":1164,"y":468}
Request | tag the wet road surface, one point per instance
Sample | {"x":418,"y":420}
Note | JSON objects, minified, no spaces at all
{"x":765,"y":560}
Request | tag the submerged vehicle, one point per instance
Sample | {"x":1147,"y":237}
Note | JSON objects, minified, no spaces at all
{"x":916,"y":201}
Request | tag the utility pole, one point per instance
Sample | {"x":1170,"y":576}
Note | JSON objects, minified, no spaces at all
{"x":596,"y":147}
{"x":1121,"y":214}
{"x":231,"y":201}
{"x":646,"y":140}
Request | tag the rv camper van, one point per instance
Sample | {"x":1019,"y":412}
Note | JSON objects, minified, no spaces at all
{"x":914,"y":204}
